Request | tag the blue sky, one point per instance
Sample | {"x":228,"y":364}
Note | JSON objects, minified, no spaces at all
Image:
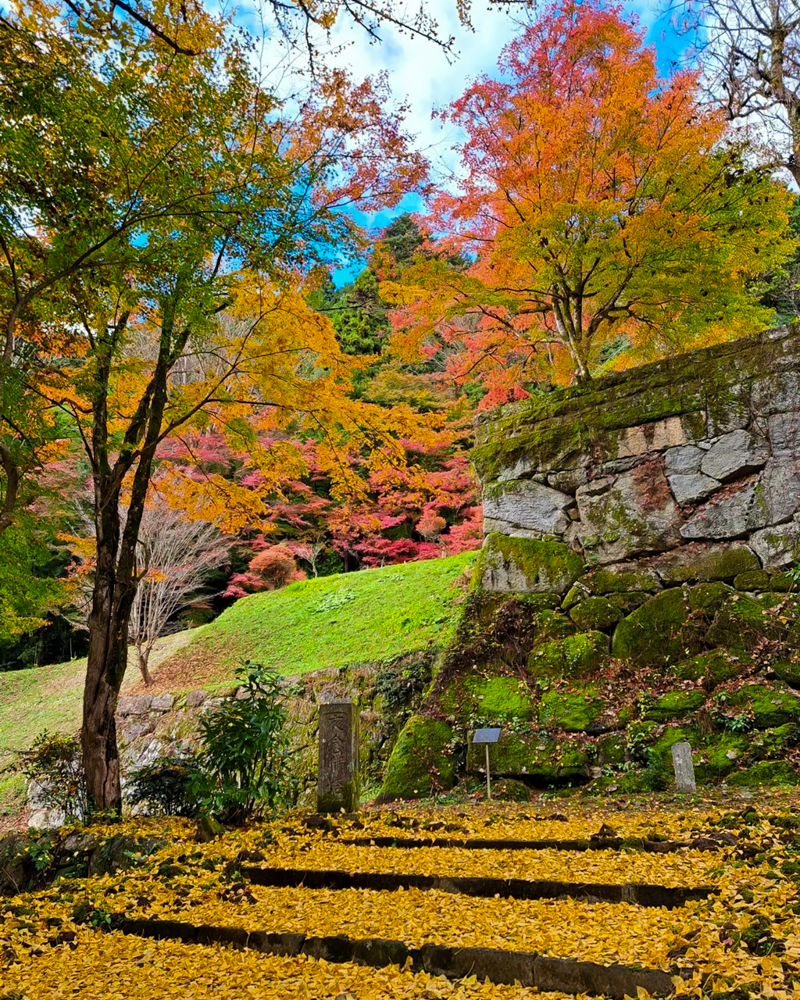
{"x":420,"y":73}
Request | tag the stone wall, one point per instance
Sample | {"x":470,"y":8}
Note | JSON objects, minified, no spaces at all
{"x":675,"y":465}
{"x":635,"y":588}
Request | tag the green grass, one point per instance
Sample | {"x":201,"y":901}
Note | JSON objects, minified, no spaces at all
{"x":361,"y":617}
{"x":334,"y":621}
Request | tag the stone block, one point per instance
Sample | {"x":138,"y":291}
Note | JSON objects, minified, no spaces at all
{"x":162,"y":703}
{"x":525,"y":505}
{"x":683,"y":461}
{"x":734,"y":455}
{"x":632,"y":514}
{"x":523,"y":565}
{"x":784,"y":434}
{"x":779,"y":545}
{"x":195,"y":698}
{"x":692,"y":487}
{"x":134,"y":704}
{"x":702,"y":562}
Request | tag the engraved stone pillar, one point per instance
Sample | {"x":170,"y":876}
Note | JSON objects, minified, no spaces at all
{"x":684,"y":769}
{"x":338,"y":784}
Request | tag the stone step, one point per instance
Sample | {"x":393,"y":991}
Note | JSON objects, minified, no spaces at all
{"x":492,"y":964}
{"x":515,"y":888}
{"x":592,"y":844}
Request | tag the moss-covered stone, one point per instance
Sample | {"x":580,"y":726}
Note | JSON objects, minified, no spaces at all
{"x":789,"y":671}
{"x":767,"y":772}
{"x":781,"y":583}
{"x":421,"y":760}
{"x":618,"y":580}
{"x":629,"y":601}
{"x":541,"y":760}
{"x":715,"y":667}
{"x":658,"y":633}
{"x":575,"y":656}
{"x":493,"y":699}
{"x":611,"y":749}
{"x":509,"y":790}
{"x":595,"y":614}
{"x":661,"y":747}
{"x":571,"y":710}
{"x":754,"y":579}
{"x":576,"y":593}
{"x":770,"y":706}
{"x":721,"y":755}
{"x":522,"y":565}
{"x":701,"y":562}
{"x":552,"y":625}
{"x":743,"y":624}
{"x":674,"y":705}
{"x":708,"y":598}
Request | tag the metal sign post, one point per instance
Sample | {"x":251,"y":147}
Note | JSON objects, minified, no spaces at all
{"x":487,"y":736}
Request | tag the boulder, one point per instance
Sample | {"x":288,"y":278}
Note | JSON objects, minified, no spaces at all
{"x":631,"y":514}
{"x":721,"y":561}
{"x":421,"y":761}
{"x":731,"y":514}
{"x":575,"y":656}
{"x":595,"y":614}
{"x":689,"y":488}
{"x":658,"y":633}
{"x":524,"y":507}
{"x":574,"y":711}
{"x":674,"y":705}
{"x":778,"y":546}
{"x":683,"y":461}
{"x":541,"y":760}
{"x":162,"y":703}
{"x":134,"y":704}
{"x":734,"y":455}
{"x":623,"y":577}
{"x":526,"y":565}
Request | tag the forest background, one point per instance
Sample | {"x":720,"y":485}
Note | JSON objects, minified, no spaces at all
{"x":197,"y":405}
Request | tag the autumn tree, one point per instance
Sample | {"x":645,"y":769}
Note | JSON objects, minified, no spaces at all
{"x":602,"y":208}
{"x":197,"y":203}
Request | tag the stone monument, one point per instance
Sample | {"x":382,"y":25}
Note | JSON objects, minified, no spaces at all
{"x":338,"y":780}
{"x":684,"y":769}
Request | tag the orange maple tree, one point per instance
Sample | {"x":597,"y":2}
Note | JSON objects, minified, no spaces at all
{"x":603,"y":212}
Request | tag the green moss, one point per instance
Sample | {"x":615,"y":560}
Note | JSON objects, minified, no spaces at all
{"x":595,"y":614}
{"x":781,"y":583}
{"x":575,"y":656}
{"x":575,"y":594}
{"x":709,"y":597}
{"x":725,"y":564}
{"x":628,"y":600}
{"x":657,"y":633}
{"x":606,"y":581}
{"x":754,"y":579}
{"x":611,"y":749}
{"x":509,"y":790}
{"x":573,"y":711}
{"x":493,"y":699}
{"x":542,"y":760}
{"x":743,"y":624}
{"x":789,"y":671}
{"x":526,"y":564}
{"x":716,"y":666}
{"x":552,"y":625}
{"x":421,"y":760}
{"x":770,"y":706}
{"x":661,"y":748}
{"x":674,"y":705}
{"x":722,"y":753}
{"x":768,"y":772}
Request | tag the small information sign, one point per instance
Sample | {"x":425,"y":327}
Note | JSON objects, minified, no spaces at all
{"x":487,"y":737}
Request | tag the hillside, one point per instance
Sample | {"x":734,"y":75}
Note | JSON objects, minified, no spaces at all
{"x":332,"y":621}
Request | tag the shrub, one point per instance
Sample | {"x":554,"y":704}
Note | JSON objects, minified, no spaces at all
{"x":244,"y":758}
{"x":55,"y":763}
{"x":165,"y":787}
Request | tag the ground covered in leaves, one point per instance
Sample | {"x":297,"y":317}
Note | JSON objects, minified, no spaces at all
{"x":743,"y":940}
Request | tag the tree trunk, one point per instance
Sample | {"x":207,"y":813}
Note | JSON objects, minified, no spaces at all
{"x":144,"y":669}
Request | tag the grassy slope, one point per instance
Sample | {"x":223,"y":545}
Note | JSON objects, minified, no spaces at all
{"x":330,"y":622}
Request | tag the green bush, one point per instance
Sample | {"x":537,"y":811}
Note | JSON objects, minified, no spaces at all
{"x":55,"y":763}
{"x":243,"y":757}
{"x":165,"y":787}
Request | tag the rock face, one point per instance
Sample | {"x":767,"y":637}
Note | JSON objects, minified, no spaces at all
{"x":702,"y":448}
